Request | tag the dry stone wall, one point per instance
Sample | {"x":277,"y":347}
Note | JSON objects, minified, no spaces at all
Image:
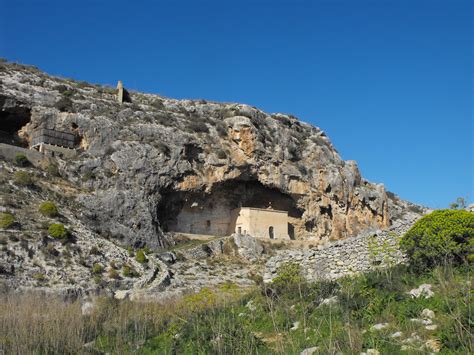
{"x":342,"y":258}
{"x":362,"y":253}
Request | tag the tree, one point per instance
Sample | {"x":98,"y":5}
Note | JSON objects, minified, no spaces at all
{"x":459,"y":204}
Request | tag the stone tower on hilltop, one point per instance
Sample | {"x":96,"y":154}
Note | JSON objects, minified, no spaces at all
{"x":120,"y":95}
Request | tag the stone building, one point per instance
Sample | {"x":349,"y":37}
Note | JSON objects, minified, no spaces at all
{"x":54,"y":143}
{"x":264,"y":223}
{"x":260,"y":223}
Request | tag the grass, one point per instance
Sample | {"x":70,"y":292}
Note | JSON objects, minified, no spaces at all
{"x":230,"y":321}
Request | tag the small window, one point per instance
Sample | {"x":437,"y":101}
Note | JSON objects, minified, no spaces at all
{"x":208,"y":224}
{"x":239,"y":230}
{"x":270,"y":232}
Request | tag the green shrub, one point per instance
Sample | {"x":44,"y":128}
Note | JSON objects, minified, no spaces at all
{"x":48,"y":209}
{"x":64,"y":105}
{"x":441,"y":236}
{"x":6,"y":220}
{"x":67,"y":93}
{"x":21,"y":159}
{"x":52,"y":170}
{"x":140,"y":257}
{"x":58,"y":231}
{"x":289,"y":278}
{"x":39,"y":277}
{"x":97,"y":269}
{"x":22,"y":178}
{"x":113,"y":274}
{"x":126,"y":271}
{"x":129,"y":271}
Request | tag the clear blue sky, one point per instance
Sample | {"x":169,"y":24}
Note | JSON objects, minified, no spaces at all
{"x":389,"y":81}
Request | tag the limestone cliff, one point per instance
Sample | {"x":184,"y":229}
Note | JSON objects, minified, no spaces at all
{"x":143,"y":163}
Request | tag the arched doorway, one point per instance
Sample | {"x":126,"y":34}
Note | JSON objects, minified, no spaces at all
{"x":270,"y":232}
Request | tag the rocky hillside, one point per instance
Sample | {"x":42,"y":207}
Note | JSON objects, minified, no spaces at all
{"x":149,"y":170}
{"x":142,"y":163}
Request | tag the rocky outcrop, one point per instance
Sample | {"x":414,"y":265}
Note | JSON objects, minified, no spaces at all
{"x":140,"y":163}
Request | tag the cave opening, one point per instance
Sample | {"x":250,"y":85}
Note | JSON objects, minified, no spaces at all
{"x":12,"y":120}
{"x":198,"y":212}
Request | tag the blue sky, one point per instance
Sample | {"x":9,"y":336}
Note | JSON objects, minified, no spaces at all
{"x":389,"y":81}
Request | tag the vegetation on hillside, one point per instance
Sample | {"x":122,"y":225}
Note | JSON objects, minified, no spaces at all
{"x":6,"y":220}
{"x":440,"y":237}
{"x":49,"y":209}
{"x":58,"y":231}
{"x":342,"y":316}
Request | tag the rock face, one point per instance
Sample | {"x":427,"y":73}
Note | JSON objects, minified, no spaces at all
{"x":140,"y":164}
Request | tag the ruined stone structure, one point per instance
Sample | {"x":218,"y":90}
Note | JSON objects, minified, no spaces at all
{"x":54,"y":143}
{"x":261,"y":223}
{"x":120,"y":94}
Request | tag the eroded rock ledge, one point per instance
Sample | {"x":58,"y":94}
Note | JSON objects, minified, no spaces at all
{"x":141,"y":164}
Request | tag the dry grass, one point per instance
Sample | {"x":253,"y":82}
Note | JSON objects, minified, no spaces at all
{"x":226,"y":321}
{"x":37,"y":324}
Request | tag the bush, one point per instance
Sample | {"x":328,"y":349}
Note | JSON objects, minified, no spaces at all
{"x":158,"y":104}
{"x":39,"y":277}
{"x":129,"y":271}
{"x":221,"y":129}
{"x":6,"y":220}
{"x":52,"y":170}
{"x":64,"y":105}
{"x":48,"y":209}
{"x":67,"y":93}
{"x":289,"y":278}
{"x":113,"y":274}
{"x":140,"y":257}
{"x":97,"y":269}
{"x":441,"y":236}
{"x":22,"y":178}
{"x":198,"y":127}
{"x":58,"y":231}
{"x":21,"y":159}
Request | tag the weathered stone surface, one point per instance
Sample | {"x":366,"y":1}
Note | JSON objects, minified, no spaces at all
{"x":248,"y":247}
{"x":131,"y":155}
{"x":140,"y":163}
